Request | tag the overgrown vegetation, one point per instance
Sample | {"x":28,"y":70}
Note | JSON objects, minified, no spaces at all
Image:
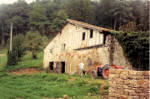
{"x":136,"y":48}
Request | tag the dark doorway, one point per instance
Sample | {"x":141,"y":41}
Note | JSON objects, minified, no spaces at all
{"x":63,"y":67}
{"x":60,"y":67}
{"x":99,"y":71}
{"x":51,"y":66}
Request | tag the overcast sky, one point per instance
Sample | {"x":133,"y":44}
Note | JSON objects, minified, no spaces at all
{"x":12,"y":1}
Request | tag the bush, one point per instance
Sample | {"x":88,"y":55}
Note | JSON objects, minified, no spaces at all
{"x":18,"y":45}
{"x":17,"y":50}
{"x":12,"y":58}
{"x":93,"y":89}
{"x":35,"y":43}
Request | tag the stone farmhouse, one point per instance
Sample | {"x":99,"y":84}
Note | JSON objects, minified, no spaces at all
{"x":81,"y":42}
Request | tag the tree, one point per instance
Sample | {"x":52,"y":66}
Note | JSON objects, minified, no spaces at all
{"x":37,"y":18}
{"x":34,"y":42}
{"x":121,"y":13}
{"x":59,"y":21}
{"x":103,"y":13}
{"x":141,"y":14}
{"x":82,"y":10}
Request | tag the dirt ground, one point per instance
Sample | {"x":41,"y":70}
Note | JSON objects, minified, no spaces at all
{"x":2,"y":55}
{"x":25,"y":71}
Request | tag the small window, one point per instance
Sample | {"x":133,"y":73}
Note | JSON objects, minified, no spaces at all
{"x":104,"y":40}
{"x":91,"y":33}
{"x":63,"y":47}
{"x":83,"y":36}
{"x":51,"y":50}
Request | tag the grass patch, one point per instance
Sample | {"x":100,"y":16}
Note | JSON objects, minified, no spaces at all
{"x":27,"y":62}
{"x":3,"y":58}
{"x":42,"y":85}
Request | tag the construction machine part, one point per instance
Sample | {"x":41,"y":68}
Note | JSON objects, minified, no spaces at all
{"x":105,"y":72}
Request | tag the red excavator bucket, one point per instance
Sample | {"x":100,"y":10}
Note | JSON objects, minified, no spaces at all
{"x":105,"y":73}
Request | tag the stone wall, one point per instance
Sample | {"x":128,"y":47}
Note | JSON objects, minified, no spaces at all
{"x":128,"y":84}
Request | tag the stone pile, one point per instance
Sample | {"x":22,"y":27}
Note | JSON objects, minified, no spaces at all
{"x":128,"y":84}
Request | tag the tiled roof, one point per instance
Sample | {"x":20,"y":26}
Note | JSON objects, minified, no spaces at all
{"x":86,"y":25}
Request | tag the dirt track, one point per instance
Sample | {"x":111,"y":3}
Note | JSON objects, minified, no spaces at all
{"x":2,"y":55}
{"x":25,"y":71}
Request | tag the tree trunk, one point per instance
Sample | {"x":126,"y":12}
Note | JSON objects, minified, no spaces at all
{"x":11,"y":34}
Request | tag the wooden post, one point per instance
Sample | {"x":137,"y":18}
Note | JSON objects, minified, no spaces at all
{"x":11,"y":34}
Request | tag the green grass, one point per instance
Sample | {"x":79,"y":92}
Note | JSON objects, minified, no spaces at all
{"x":44,"y":85}
{"x":27,"y":62}
{"x":3,"y":57}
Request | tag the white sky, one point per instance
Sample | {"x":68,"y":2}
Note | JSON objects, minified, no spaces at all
{"x":12,"y":1}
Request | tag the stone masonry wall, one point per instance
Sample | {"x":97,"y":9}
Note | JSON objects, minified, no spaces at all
{"x":128,"y":84}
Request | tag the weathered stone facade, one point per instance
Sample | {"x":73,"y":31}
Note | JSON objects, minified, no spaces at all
{"x":68,"y":46}
{"x":128,"y":84}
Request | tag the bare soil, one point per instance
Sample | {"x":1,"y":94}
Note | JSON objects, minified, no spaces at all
{"x":71,"y":80}
{"x":25,"y":71}
{"x":2,"y":55}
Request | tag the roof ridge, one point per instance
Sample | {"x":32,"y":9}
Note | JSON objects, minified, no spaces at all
{"x":87,"y":25}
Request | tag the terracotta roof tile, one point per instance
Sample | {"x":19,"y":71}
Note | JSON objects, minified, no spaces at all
{"x":86,"y":25}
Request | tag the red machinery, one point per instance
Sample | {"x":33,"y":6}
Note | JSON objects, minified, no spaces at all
{"x":103,"y":70}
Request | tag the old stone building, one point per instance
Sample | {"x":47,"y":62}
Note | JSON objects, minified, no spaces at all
{"x":81,"y":42}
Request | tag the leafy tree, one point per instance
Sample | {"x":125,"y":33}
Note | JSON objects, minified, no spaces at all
{"x":103,"y":13}
{"x":82,"y":10}
{"x":59,"y":21}
{"x":141,"y":14}
{"x":121,"y":13}
{"x":34,"y":42}
{"x":37,"y":18}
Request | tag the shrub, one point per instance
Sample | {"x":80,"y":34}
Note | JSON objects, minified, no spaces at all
{"x":93,"y":89}
{"x":34,"y":42}
{"x":12,"y":58}
{"x":17,"y":50}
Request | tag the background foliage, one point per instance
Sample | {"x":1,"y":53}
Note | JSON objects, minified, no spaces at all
{"x":136,"y":48}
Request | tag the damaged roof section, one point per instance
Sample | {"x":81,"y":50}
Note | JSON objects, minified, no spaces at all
{"x":86,"y":25}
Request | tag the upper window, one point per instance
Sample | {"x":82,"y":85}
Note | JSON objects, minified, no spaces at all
{"x":63,"y":47}
{"x":83,"y":36}
{"x":91,"y":33}
{"x":51,"y":50}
